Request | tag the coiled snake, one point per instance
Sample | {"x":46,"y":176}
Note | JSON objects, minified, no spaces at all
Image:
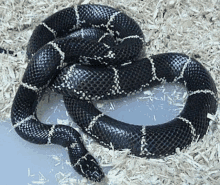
{"x":92,"y":52}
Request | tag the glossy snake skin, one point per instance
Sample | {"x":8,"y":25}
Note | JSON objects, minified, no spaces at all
{"x":92,"y":52}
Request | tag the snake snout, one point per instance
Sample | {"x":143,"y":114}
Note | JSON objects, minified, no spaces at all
{"x":96,"y":175}
{"x":89,"y":167}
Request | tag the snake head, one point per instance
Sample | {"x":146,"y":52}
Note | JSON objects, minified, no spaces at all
{"x":89,"y":168}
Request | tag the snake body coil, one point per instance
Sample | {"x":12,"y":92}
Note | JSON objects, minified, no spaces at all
{"x":101,"y":60}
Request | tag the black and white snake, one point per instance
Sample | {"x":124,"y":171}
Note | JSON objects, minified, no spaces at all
{"x":93,"y":52}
